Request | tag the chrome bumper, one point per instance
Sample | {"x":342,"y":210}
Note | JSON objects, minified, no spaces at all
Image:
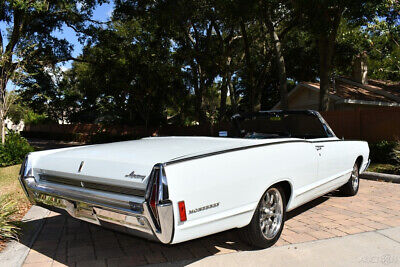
{"x":122,"y":213}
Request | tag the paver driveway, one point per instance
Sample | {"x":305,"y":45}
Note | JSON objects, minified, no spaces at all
{"x":66,"y":241}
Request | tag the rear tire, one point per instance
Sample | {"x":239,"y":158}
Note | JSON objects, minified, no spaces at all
{"x":351,"y":187}
{"x":268,"y":219}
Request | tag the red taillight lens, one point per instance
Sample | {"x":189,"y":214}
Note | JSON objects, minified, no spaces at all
{"x":182,"y":211}
{"x":153,"y":198}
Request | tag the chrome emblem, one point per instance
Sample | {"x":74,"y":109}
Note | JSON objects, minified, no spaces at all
{"x":214,"y":205}
{"x":80,"y":166}
{"x":133,"y":175}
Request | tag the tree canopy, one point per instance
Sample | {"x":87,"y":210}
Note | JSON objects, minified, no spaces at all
{"x":184,"y":61}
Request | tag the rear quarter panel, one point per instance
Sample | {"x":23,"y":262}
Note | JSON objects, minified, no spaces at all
{"x":357,"y":149}
{"x":236,"y":181}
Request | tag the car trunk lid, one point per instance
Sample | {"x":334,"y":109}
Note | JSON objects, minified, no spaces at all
{"x":125,"y":164}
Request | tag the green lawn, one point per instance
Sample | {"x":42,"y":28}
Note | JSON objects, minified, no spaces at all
{"x":11,"y":188}
{"x":384,"y":168}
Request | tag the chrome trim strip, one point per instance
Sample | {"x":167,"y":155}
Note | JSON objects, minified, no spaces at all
{"x":21,"y":174}
{"x":77,"y":194}
{"x":327,"y":141}
{"x":91,"y":185}
{"x":324,"y":183}
{"x":328,"y":130}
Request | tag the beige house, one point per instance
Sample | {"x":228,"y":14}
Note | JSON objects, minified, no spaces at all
{"x":346,"y":94}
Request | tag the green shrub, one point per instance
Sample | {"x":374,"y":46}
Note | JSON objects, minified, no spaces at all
{"x":14,"y":150}
{"x":32,"y":118}
{"x":385,"y":168}
{"x":9,"y":229}
{"x":385,"y":152}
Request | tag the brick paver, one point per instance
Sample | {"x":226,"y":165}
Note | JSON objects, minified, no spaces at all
{"x":65,"y":241}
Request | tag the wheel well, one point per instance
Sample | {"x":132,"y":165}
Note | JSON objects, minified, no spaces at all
{"x":287,"y":189}
{"x":359,"y":161}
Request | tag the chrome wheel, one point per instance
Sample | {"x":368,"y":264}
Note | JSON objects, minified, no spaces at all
{"x":271,"y":213}
{"x":351,"y":187}
{"x":354,"y":178}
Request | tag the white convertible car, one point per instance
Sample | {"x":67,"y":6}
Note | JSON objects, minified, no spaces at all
{"x":174,"y":189}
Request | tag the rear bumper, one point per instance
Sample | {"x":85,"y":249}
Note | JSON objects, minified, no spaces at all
{"x":120,"y":212}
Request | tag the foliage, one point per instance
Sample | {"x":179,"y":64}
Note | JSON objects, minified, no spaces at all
{"x":14,"y":149}
{"x":21,"y":111}
{"x":385,"y":152}
{"x":385,"y":168}
{"x":192,"y":62}
{"x":322,"y":19}
{"x":9,"y":229}
{"x":30,"y":45}
{"x":12,"y":198}
{"x":380,"y":38}
{"x":17,"y":113}
{"x":32,"y":118}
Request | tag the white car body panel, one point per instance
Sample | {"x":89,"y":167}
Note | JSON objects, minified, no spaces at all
{"x":229,"y":173}
{"x":238,"y":184}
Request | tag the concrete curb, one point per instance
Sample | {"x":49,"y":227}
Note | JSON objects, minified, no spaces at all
{"x":381,"y":177}
{"x":16,"y":251}
{"x":374,"y":248}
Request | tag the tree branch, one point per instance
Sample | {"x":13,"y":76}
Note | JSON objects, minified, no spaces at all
{"x":291,"y":25}
{"x":16,"y":32}
{"x":75,"y":59}
{"x":190,"y":36}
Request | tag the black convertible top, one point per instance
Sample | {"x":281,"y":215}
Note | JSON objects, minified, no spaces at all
{"x":306,"y":124}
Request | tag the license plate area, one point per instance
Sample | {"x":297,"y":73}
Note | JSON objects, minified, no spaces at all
{"x":84,"y":210}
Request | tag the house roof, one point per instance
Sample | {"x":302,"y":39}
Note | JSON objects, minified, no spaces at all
{"x":345,"y":90}
{"x":377,"y":92}
{"x":391,"y":87}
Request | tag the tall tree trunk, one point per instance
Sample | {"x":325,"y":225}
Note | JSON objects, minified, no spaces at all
{"x":3,"y":130}
{"x":225,"y":87}
{"x":324,"y":73}
{"x":199,"y":93}
{"x":326,"y":43}
{"x":232,"y":97}
{"x":3,"y":88}
{"x":280,"y":62}
{"x":222,"y":105}
{"x":251,"y":89}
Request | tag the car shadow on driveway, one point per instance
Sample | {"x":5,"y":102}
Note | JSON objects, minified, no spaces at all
{"x":297,"y":211}
{"x":73,"y":242}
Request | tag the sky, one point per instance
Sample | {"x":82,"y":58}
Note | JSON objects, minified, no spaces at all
{"x":101,"y":13}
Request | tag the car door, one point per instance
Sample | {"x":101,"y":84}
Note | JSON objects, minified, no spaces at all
{"x":332,"y":157}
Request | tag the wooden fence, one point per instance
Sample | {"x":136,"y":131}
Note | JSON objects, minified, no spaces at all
{"x":371,"y":125}
{"x":95,"y":133}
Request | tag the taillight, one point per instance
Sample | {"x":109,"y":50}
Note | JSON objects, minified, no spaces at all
{"x":182,"y":211}
{"x":157,"y":191}
{"x":154,"y":196}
